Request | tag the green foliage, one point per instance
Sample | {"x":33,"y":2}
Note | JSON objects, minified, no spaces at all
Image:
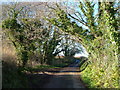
{"x":10,"y":24}
{"x":29,"y":37}
{"x":63,"y":22}
{"x":13,"y":31}
{"x":100,"y":42}
{"x":50,"y":46}
{"x":103,"y":54}
{"x":20,"y":35}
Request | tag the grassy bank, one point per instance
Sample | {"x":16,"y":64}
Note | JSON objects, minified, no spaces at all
{"x":102,"y":75}
{"x":16,"y":77}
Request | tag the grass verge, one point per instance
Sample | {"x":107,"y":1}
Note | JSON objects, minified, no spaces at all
{"x":96,"y":77}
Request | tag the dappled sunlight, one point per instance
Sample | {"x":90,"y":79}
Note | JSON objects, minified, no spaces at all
{"x":63,"y":73}
{"x":57,"y":45}
{"x":67,"y":77}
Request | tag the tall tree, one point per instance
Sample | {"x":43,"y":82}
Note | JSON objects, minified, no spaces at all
{"x":100,"y":40}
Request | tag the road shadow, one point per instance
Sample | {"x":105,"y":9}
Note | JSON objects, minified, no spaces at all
{"x":67,"y":77}
{"x":54,"y":81}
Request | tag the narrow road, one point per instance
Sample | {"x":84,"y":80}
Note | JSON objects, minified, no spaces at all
{"x":68,"y":77}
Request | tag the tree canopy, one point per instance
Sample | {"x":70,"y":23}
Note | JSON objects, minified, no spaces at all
{"x":40,"y":28}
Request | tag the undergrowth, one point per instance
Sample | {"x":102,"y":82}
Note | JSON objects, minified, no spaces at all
{"x":12,"y":78}
{"x":102,"y":75}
